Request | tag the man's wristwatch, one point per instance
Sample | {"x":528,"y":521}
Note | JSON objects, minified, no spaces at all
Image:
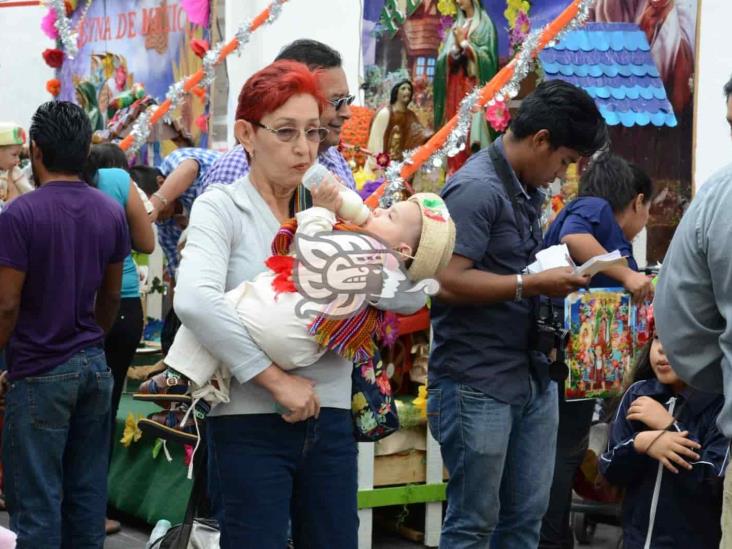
{"x":519,"y":288}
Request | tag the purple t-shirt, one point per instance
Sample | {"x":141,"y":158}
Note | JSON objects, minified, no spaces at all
{"x":62,"y":236}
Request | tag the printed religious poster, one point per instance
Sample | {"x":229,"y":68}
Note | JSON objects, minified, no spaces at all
{"x":605,"y":333}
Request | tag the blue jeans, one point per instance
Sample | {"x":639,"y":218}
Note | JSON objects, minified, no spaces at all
{"x":263,"y":470}
{"x":55,"y":445}
{"x":501,"y":460}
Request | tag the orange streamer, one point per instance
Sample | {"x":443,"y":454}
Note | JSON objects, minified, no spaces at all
{"x":193,"y":80}
{"x":489,"y":90}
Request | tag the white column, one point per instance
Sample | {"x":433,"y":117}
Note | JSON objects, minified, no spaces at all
{"x":433,"y":511}
{"x":365,"y":482}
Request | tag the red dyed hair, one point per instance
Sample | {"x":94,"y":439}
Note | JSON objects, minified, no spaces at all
{"x":270,"y":88}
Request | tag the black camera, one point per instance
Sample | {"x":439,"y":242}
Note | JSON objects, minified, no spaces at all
{"x":550,"y":335}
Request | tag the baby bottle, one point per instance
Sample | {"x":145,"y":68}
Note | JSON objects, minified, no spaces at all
{"x":352,"y":207}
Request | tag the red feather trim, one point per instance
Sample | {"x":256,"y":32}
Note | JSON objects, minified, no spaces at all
{"x":282,"y":266}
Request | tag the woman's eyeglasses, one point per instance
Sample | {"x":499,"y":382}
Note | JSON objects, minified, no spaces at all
{"x":340,"y":102}
{"x":315,"y":135}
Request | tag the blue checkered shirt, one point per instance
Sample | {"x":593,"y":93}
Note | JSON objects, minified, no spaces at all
{"x":168,"y":231}
{"x":233,"y":165}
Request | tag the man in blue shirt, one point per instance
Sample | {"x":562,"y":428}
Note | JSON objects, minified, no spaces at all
{"x":491,"y":404}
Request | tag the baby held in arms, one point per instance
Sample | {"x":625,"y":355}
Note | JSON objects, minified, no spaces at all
{"x":327,"y":276}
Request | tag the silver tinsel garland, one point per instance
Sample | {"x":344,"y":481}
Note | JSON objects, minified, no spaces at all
{"x":67,"y":35}
{"x":141,"y":129}
{"x":523,"y":64}
{"x":140,"y":132}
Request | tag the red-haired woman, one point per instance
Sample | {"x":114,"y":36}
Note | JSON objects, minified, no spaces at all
{"x":266,"y":466}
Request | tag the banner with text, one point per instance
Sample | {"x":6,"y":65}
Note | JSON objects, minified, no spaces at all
{"x":126,"y":42}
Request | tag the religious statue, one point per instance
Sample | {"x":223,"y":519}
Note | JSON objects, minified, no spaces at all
{"x":468,"y":57}
{"x":395,"y":128}
{"x":86,"y":96}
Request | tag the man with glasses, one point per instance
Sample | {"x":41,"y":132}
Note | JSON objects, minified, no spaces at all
{"x":316,"y":55}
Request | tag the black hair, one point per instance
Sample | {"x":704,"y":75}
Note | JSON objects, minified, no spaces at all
{"x":567,"y":112}
{"x":642,"y":368}
{"x":312,"y":53}
{"x":728,"y":89}
{"x":146,"y":178}
{"x":616,"y":180}
{"x":103,"y":155}
{"x":62,"y":132}
{"x":395,"y":90}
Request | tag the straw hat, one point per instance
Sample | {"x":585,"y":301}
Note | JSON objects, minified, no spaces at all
{"x":11,"y":134}
{"x":437,"y":239}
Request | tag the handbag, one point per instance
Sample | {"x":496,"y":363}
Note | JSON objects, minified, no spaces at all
{"x":194,"y":532}
{"x":372,"y":404}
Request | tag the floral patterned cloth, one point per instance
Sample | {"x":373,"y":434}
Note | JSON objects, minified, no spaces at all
{"x":372,"y":404}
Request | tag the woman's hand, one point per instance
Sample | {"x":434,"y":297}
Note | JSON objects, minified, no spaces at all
{"x":296,"y":394}
{"x":650,"y":412}
{"x":639,"y":285}
{"x":668,"y":447}
{"x":327,"y":195}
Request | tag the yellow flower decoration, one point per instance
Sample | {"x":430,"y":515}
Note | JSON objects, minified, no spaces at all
{"x":362,"y":176}
{"x":447,"y":7}
{"x":132,"y":432}
{"x":513,"y":8}
{"x":421,"y":401}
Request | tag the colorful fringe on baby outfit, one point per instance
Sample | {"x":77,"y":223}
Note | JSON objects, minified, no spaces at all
{"x":354,"y":337}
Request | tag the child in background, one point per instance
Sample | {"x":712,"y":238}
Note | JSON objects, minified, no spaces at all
{"x":665,"y":449}
{"x":13,"y":181}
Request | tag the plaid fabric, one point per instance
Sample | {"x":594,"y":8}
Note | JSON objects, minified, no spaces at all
{"x":168,"y":232}
{"x":229,"y":167}
{"x":334,"y":161}
{"x":233,"y":165}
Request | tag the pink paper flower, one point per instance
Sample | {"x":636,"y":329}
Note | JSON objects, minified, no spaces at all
{"x":382,"y":160}
{"x":498,"y":116}
{"x":520,"y":30}
{"x":48,"y":25}
{"x":389,"y":330}
{"x":445,"y":25}
{"x":197,"y":11}
{"x":202,"y":123}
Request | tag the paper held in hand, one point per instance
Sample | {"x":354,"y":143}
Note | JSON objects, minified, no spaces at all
{"x":558,"y":256}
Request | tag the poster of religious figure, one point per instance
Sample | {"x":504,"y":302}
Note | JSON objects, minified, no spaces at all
{"x":606,"y":331}
{"x":441,"y":50}
{"x":446,"y":47}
